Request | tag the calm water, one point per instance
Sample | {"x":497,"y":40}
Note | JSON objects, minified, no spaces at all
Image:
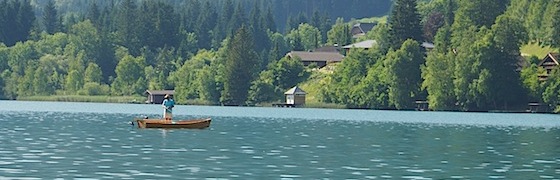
{"x":94,"y":141}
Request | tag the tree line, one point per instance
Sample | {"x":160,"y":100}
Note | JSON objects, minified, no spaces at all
{"x":232,"y":53}
{"x":125,"y":47}
{"x":476,"y":64}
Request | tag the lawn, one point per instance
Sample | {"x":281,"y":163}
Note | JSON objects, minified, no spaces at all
{"x":533,"y":49}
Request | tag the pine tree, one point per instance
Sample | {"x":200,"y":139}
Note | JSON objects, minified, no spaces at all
{"x":127,"y":27}
{"x":206,"y":22}
{"x":555,"y":28}
{"x":237,"y":20}
{"x":240,"y":68}
{"x":270,"y":24}
{"x":339,"y":33}
{"x":50,"y":18}
{"x":94,"y":15}
{"x":3,"y":20}
{"x":220,"y":31}
{"x":404,"y":23}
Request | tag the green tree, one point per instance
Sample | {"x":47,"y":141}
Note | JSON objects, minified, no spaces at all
{"x":94,"y":15}
{"x":469,"y":73}
{"x":237,"y":20}
{"x":555,"y":24}
{"x":20,"y":54}
{"x":535,"y":19}
{"x":127,"y":27}
{"x":263,"y":89}
{"x":269,"y":21}
{"x":305,"y":36}
{"x":49,"y":75}
{"x":339,"y":33}
{"x":288,"y":72}
{"x":157,"y":74}
{"x":373,"y":90}
{"x":240,"y":68}
{"x":25,"y":83}
{"x":404,"y":75}
{"x":404,"y":23}
{"x":4,"y":52}
{"x":480,"y":12}
{"x":93,"y":73}
{"x":11,"y":82}
{"x":551,"y":89}
{"x":206,"y":22}
{"x":380,"y":33}
{"x":74,"y":82}
{"x":279,"y":46}
{"x":279,"y":77}
{"x":342,"y":85}
{"x":186,"y":77}
{"x":505,"y":88}
{"x":438,"y":73}
{"x":50,"y":18}
{"x":130,"y":78}
{"x":220,"y":30}
{"x":19,"y":17}
{"x":438,"y":81}
{"x":208,"y":85}
{"x":86,"y":38}
{"x":159,"y":27}
{"x":531,"y":82}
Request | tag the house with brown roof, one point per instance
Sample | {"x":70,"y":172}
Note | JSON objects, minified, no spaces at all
{"x":549,"y":62}
{"x":321,"y":59}
{"x":360,"y":29}
{"x":334,"y":48}
{"x":156,"y":96}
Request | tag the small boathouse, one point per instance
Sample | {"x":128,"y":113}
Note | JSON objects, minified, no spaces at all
{"x":294,"y":97}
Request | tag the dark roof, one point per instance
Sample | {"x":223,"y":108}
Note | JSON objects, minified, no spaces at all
{"x":317,"y":56}
{"x":327,"y":49}
{"x":295,"y":91}
{"x":160,"y":92}
{"x":550,"y":59}
{"x":361,"y":28}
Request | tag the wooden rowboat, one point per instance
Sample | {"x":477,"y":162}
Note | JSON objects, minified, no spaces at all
{"x":168,"y":124}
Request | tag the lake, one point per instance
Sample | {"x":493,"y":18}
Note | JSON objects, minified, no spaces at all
{"x":49,"y":140}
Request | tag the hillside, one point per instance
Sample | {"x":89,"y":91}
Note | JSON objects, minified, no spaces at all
{"x":282,"y":10}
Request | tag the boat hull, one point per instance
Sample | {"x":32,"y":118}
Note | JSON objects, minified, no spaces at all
{"x":167,"y":124}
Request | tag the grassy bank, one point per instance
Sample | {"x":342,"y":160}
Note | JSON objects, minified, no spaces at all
{"x":79,"y":98}
{"x":313,"y":85}
{"x":533,"y":49}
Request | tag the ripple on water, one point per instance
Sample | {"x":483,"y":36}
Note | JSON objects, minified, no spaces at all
{"x":290,"y":176}
{"x":311,"y":150}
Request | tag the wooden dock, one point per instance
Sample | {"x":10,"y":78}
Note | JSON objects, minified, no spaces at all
{"x":284,"y":105}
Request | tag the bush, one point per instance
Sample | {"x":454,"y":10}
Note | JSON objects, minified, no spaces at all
{"x":94,"y":89}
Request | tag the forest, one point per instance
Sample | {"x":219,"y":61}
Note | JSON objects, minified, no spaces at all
{"x":232,"y":52}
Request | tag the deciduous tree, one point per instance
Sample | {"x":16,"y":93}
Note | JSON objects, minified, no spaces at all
{"x":404,"y":75}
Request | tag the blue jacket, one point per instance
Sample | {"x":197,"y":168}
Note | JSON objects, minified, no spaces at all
{"x":168,"y":104}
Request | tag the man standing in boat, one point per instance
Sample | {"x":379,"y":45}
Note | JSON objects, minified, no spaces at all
{"x":168,"y":105}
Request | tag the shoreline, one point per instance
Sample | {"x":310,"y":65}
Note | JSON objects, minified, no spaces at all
{"x":142,"y":100}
